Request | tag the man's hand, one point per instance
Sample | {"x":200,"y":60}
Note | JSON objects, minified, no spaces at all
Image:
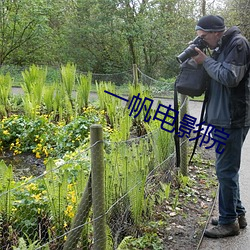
{"x":200,"y":58}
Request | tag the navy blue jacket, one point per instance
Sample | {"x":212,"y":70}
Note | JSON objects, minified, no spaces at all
{"x":229,"y":89}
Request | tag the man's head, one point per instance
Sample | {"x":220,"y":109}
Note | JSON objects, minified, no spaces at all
{"x":211,"y":29}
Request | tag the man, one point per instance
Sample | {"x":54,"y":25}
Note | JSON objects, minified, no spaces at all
{"x":228,"y":108}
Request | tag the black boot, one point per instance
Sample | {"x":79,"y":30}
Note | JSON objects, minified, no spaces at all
{"x":221,"y":231}
{"x":241,"y":219}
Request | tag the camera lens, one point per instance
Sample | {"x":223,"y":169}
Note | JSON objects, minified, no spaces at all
{"x":190,"y":51}
{"x":187,"y":53}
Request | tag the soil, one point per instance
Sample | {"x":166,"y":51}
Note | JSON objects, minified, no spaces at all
{"x":25,"y":164}
{"x":187,"y":222}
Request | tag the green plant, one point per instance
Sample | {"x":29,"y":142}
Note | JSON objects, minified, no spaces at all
{"x":56,"y":187}
{"x":147,"y":241}
{"x":176,"y":199}
{"x":48,"y":98}
{"x":162,"y":141}
{"x":5,"y":90}
{"x":83,"y":91}
{"x":164,"y":191}
{"x":109,"y":103}
{"x":138,"y":92}
{"x":28,"y":245}
{"x":44,"y":137}
{"x":126,"y":172}
{"x":6,"y":184}
{"x":184,"y":181}
{"x":30,"y":207}
{"x":68,"y":74}
{"x":34,"y":81}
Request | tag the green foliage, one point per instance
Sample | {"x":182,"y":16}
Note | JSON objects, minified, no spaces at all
{"x":29,"y":206}
{"x":103,"y":36}
{"x":142,"y":92}
{"x":56,"y":187}
{"x":29,"y":245}
{"x":126,"y":172}
{"x":109,"y":103}
{"x":162,"y":140}
{"x":33,"y":85}
{"x":68,"y":74}
{"x":164,"y":192}
{"x":23,"y":25}
{"x":43,"y":137}
{"x":83,"y":91}
{"x":5,"y":90}
{"x":6,"y":184}
{"x":147,"y":241}
{"x":128,"y":161}
{"x":48,"y":98}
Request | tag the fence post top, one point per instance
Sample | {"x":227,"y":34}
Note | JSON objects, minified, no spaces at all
{"x":96,"y":126}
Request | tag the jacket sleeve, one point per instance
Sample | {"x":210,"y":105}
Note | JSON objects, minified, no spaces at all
{"x":232,"y":69}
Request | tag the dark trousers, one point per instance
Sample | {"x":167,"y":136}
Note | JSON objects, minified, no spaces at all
{"x":227,"y":170}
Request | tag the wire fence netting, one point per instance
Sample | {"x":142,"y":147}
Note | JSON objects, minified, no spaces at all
{"x":42,"y":210}
{"x":52,"y":208}
{"x":160,"y":87}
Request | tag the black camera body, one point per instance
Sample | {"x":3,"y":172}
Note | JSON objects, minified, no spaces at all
{"x":190,"y":51}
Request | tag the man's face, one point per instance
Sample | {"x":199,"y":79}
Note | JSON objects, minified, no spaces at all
{"x":211,"y":38}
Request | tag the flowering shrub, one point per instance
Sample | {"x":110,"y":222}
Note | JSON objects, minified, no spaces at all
{"x":44,"y":137}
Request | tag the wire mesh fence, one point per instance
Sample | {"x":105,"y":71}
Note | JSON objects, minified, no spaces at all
{"x":45,"y":211}
{"x":56,"y":209}
{"x":161,"y":87}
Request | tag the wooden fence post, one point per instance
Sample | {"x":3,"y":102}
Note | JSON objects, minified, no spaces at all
{"x":80,"y":218}
{"x":135,"y":75}
{"x":98,"y":195}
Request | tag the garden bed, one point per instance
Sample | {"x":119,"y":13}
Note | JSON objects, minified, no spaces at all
{"x":179,"y":221}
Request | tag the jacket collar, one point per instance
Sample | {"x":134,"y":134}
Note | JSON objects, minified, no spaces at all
{"x":231,"y":32}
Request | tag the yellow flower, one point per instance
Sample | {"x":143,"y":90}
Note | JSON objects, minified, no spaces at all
{"x":31,"y":187}
{"x":38,"y":156}
{"x":14,"y":209}
{"x":45,"y":151}
{"x":37,"y":196}
{"x":6,"y":132}
{"x":73,"y":199}
{"x":69,"y":211}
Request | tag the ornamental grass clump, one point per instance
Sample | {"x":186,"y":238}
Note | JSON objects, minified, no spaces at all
{"x":68,"y":75}
{"x":83,"y":91}
{"x":33,"y":85}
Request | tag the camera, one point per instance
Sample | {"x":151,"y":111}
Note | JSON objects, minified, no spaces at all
{"x":190,"y":51}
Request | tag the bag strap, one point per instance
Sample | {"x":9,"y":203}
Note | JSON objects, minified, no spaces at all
{"x":200,"y":126}
{"x":176,"y":137}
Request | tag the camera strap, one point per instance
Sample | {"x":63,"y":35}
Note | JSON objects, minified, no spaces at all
{"x":176,"y":137}
{"x":200,"y":125}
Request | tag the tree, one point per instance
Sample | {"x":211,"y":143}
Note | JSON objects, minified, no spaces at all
{"x":21,"y":21}
{"x":237,"y":13}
